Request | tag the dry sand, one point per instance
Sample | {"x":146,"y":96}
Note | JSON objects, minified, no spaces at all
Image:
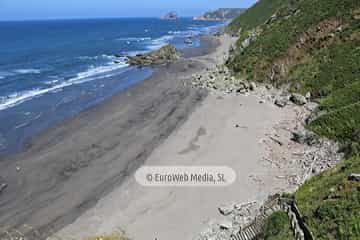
{"x":78,"y":176}
{"x":208,"y":137}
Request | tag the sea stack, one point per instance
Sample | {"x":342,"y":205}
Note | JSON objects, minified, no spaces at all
{"x":170,"y":16}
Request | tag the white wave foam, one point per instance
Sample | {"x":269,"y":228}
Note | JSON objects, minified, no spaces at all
{"x":91,"y":74}
{"x":134,"y":39}
{"x":160,"y":42}
{"x":103,"y":56}
{"x":4,"y":74}
{"x":27,"y":71}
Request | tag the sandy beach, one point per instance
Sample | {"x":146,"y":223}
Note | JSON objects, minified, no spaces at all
{"x":76,"y":179}
{"x":68,"y":168}
{"x":207,"y":138}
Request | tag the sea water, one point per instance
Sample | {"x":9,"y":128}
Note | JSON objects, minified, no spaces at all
{"x":52,"y":70}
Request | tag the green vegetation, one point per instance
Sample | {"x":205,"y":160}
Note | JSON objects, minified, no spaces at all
{"x":330,"y":203}
{"x":320,"y":55}
{"x":278,"y":38}
{"x":312,"y":46}
{"x":277,"y":227}
{"x":329,"y":69}
{"x":255,"y":15}
{"x":340,"y":124}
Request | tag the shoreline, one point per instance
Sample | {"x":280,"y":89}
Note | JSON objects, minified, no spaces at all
{"x":209,"y":137}
{"x":68,"y":159}
{"x":245,"y":131}
{"x":20,"y":141}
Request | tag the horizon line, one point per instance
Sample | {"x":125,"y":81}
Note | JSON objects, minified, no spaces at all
{"x":84,"y":18}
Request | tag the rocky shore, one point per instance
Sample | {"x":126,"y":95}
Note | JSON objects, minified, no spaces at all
{"x":289,"y":145}
{"x":164,"y":55}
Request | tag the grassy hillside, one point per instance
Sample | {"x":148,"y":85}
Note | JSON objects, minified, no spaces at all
{"x":277,"y":227}
{"x":313,"y":46}
{"x":255,"y":15}
{"x":330,"y":203}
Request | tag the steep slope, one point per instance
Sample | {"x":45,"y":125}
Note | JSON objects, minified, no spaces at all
{"x":312,"y":46}
{"x":256,"y":15}
{"x":221,"y":14}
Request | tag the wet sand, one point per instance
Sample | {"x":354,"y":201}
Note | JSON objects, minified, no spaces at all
{"x":209,"y":137}
{"x":67,"y":169}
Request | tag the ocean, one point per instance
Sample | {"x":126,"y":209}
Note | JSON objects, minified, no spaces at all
{"x":52,"y":70}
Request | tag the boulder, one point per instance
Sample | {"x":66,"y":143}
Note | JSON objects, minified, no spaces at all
{"x":226,"y":210}
{"x":305,"y":137}
{"x":281,"y":102}
{"x":252,"y":86}
{"x":246,"y":43}
{"x":298,"y":99}
{"x":354,"y":177}
{"x":164,"y":55}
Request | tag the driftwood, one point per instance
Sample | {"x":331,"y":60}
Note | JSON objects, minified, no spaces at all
{"x":276,"y":140}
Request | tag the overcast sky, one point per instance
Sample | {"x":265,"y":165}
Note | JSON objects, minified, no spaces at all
{"x":58,"y":9}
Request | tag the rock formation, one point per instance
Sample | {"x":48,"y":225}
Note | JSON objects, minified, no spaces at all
{"x":164,"y":55}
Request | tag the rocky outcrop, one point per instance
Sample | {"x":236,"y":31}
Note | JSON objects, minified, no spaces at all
{"x":354,"y":177}
{"x":170,"y":16}
{"x":298,"y":99}
{"x":221,"y":14}
{"x":219,"y":78}
{"x":164,"y":55}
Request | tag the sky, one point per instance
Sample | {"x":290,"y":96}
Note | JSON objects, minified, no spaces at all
{"x":63,"y":9}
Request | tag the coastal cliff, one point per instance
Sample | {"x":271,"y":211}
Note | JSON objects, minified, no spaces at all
{"x":318,"y":58}
{"x":220,"y":14}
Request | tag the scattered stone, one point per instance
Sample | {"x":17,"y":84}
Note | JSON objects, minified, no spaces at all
{"x":226,"y":210}
{"x":308,"y":96}
{"x":18,"y":169}
{"x":281,"y":102}
{"x":261,"y":101}
{"x":354,"y":177}
{"x":298,"y":99}
{"x":252,"y":86}
{"x":316,"y":170}
{"x":225,"y":225}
